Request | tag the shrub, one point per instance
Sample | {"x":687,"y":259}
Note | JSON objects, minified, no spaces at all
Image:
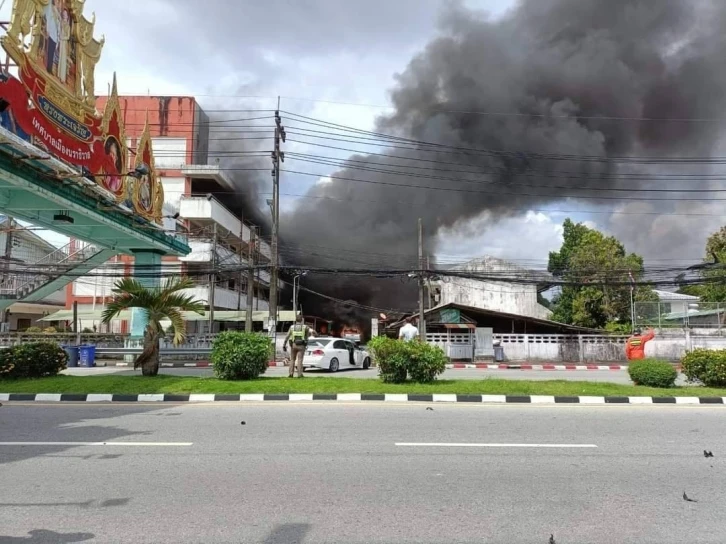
{"x":398,"y":360}
{"x":705,"y":366}
{"x":240,"y":355}
{"x":33,"y":329}
{"x":390,"y":357}
{"x":6,"y":363}
{"x":33,"y":360}
{"x":425,"y":361}
{"x":86,"y":330}
{"x":652,"y":373}
{"x":50,"y":330}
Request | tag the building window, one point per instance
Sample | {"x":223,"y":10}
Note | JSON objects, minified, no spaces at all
{"x":169,"y":153}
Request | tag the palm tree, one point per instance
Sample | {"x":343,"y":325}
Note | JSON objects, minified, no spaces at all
{"x":164,"y":302}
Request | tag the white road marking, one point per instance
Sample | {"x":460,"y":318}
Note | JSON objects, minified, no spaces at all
{"x":473,"y":445}
{"x":136,"y":444}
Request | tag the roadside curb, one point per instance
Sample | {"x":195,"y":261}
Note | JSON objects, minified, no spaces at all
{"x":529,"y":366}
{"x":359,"y":397}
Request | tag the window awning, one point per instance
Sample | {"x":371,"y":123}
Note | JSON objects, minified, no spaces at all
{"x":469,"y":326}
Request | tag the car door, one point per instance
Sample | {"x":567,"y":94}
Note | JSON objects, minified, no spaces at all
{"x":359,"y":356}
{"x":340,"y":351}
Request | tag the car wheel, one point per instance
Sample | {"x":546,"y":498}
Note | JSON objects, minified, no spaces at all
{"x":367,"y":363}
{"x":334,"y":365}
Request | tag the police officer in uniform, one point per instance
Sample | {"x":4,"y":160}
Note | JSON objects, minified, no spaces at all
{"x":297,"y":337}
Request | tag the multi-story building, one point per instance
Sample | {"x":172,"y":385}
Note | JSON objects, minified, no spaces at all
{"x":22,"y":252}
{"x":195,"y":190}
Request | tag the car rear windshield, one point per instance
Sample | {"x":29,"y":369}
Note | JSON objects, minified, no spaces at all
{"x":318,"y":342}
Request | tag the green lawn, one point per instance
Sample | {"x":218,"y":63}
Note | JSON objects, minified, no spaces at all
{"x":132,"y":385}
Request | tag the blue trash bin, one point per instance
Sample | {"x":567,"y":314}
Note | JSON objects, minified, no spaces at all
{"x":87,"y":355}
{"x":72,"y":352}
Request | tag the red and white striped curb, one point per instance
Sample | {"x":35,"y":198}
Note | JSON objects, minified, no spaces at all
{"x":453,"y":366}
{"x":527,"y":366}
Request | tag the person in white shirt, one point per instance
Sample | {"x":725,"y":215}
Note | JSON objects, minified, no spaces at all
{"x":408,"y":332}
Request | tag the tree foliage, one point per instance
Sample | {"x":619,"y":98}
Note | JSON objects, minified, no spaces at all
{"x":713,"y":288}
{"x":165,"y":302}
{"x":592,"y":262}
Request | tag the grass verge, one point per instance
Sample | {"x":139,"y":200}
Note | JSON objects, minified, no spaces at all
{"x":132,"y":385}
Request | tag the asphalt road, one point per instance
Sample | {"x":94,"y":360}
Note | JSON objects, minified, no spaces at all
{"x":337,"y":473}
{"x":612,"y":376}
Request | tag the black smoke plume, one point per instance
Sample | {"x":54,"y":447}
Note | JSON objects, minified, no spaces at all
{"x":571,"y":78}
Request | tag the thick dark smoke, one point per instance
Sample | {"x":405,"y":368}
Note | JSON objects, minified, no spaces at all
{"x":551,"y":66}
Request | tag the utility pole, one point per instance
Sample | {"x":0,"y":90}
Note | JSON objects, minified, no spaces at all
{"x":213,"y":279}
{"x":429,"y":294}
{"x":250,"y":279}
{"x":421,"y":286}
{"x":240,"y":280}
{"x":277,"y":158}
{"x":6,"y":280}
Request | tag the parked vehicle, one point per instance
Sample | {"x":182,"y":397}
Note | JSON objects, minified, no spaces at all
{"x":334,"y":354}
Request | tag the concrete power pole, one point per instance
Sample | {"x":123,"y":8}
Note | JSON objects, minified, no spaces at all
{"x":250,"y":280}
{"x":6,"y":277}
{"x":213,"y":279}
{"x":421,"y":286}
{"x":277,"y":158}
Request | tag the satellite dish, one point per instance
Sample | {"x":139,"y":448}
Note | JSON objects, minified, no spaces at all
{"x":382,"y":316}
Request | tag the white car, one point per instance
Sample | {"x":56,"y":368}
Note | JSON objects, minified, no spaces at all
{"x":335,"y":353}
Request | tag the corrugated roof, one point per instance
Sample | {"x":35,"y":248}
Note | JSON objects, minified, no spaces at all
{"x":494,"y":313}
{"x":666,"y":296}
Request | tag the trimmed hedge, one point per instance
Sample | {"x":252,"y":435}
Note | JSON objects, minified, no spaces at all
{"x":240,"y":355}
{"x":653,"y":373}
{"x":32,"y":360}
{"x":398,"y":360}
{"x":705,"y":366}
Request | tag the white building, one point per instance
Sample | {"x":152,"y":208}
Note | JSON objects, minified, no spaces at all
{"x":490,"y":293}
{"x":21,"y":247}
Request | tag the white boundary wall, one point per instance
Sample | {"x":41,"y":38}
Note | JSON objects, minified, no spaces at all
{"x":670,"y":345}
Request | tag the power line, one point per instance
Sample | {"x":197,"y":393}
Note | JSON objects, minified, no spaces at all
{"x":499,"y":193}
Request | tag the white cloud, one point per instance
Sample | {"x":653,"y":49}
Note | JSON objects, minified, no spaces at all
{"x":524,"y":238}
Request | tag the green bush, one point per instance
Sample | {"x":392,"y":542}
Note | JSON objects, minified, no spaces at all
{"x":50,"y":330}
{"x":240,"y":355}
{"x":398,"y":360}
{"x":6,"y":363}
{"x":390,"y":357}
{"x":425,"y":361}
{"x":705,"y":366}
{"x":652,"y":373}
{"x":33,"y":360}
{"x":33,"y":329}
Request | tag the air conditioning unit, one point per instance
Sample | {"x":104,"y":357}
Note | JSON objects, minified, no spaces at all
{"x":4,"y":327}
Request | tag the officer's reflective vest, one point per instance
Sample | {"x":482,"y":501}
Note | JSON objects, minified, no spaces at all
{"x":298,"y":332}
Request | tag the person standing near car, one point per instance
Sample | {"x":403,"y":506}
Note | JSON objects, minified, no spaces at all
{"x":297,"y":337}
{"x":408,"y":332}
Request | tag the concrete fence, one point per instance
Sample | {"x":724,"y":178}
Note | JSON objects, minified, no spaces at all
{"x":670,"y":345}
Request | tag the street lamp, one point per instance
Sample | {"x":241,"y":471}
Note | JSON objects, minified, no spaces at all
{"x":295,"y":288}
